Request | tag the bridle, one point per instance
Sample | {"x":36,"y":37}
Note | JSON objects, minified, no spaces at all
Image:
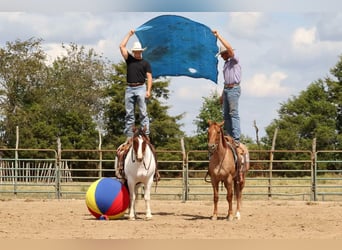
{"x":147,"y":167}
{"x":212,"y":147}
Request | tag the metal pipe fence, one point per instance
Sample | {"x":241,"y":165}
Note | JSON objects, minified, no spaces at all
{"x":274,"y":174}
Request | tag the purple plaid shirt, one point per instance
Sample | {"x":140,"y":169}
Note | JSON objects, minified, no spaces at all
{"x":232,"y":71}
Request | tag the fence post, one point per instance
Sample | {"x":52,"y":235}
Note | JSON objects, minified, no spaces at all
{"x":185,"y":172}
{"x":58,"y":167}
{"x":100,"y":156}
{"x":313,"y":171}
{"x":16,"y":160}
{"x":271,"y":164}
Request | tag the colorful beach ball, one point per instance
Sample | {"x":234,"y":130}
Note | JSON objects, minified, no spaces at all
{"x":107,"y":198}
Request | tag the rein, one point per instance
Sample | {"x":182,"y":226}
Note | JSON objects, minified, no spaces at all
{"x":149,"y":165}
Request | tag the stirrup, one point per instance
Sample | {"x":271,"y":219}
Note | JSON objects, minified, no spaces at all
{"x":119,"y":175}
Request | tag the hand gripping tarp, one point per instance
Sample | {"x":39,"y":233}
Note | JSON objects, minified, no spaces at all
{"x":178,"y":46}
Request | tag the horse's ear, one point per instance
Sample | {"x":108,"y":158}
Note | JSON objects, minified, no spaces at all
{"x":134,"y":129}
{"x":221,"y":123}
{"x":210,"y":122}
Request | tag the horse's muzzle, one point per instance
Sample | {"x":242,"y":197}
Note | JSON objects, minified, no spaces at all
{"x":212,"y":147}
{"x":139,"y":159}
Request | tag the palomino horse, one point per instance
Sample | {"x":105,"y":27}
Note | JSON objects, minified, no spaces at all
{"x":225,"y":166}
{"x":140,"y":167}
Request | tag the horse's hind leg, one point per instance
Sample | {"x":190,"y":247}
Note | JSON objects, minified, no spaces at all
{"x":229,"y":186}
{"x":238,"y":186}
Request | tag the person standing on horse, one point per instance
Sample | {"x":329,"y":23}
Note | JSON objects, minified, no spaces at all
{"x":139,"y":72}
{"x":138,"y":90}
{"x":232,"y":90}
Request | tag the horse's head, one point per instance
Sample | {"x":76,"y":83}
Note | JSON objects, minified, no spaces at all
{"x":215,"y":133}
{"x":139,"y":144}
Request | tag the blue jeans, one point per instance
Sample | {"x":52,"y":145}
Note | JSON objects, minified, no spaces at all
{"x":133,"y":96}
{"x":231,"y":111}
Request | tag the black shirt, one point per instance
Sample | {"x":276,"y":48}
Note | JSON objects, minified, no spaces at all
{"x":137,"y":69}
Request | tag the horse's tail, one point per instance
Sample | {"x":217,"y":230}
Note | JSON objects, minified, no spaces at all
{"x":206,"y":176}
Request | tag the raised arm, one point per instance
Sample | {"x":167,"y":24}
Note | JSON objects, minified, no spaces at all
{"x":123,"y":44}
{"x":224,"y":43}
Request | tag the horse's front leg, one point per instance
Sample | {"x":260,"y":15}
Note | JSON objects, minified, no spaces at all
{"x":147,"y":198}
{"x":216,"y":198}
{"x":132,"y":194}
{"x":229,"y":186}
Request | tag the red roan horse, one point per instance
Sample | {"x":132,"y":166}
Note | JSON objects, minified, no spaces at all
{"x":225,"y":166}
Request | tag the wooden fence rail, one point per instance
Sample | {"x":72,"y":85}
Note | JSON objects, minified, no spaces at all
{"x":274,"y":174}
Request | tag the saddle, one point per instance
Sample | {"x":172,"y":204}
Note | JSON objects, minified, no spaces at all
{"x":121,"y":153}
{"x":240,"y":157}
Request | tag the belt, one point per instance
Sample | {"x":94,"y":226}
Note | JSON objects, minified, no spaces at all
{"x":135,"y":84}
{"x":230,"y":85}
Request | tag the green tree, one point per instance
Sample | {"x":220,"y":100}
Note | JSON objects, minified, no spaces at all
{"x":73,"y":96}
{"x":335,"y":96}
{"x":315,"y":113}
{"x":22,"y":73}
{"x":61,"y":100}
{"x":210,"y":110}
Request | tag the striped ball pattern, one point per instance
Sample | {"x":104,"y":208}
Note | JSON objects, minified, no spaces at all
{"x":107,"y":198}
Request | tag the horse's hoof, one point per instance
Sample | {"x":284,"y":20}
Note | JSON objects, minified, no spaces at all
{"x":230,"y":218}
{"x":237,"y":216}
{"x":131,"y":218}
{"x":148,"y":218}
{"x":214,"y":217}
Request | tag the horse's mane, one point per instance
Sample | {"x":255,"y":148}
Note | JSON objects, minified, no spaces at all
{"x":141,"y":132}
{"x":223,"y":139}
{"x":138,"y":132}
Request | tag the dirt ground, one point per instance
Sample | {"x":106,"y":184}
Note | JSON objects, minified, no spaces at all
{"x":70,"y":219}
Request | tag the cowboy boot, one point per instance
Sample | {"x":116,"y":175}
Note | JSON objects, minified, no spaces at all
{"x":156,"y":176}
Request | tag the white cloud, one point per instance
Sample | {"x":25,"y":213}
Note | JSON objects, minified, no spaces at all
{"x":304,"y":37}
{"x":194,"y":91}
{"x":262,"y":85}
{"x":308,"y":49}
{"x":106,"y":47}
{"x":246,"y":24}
{"x":54,"y":50}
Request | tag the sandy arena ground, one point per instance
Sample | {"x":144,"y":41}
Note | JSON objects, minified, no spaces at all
{"x":70,"y":219}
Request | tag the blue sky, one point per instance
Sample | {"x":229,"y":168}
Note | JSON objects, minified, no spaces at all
{"x":281,"y":52}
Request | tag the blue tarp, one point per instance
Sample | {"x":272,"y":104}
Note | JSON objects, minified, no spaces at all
{"x":178,"y":46}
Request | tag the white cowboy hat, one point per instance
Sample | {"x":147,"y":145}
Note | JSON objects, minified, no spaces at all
{"x":137,"y":47}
